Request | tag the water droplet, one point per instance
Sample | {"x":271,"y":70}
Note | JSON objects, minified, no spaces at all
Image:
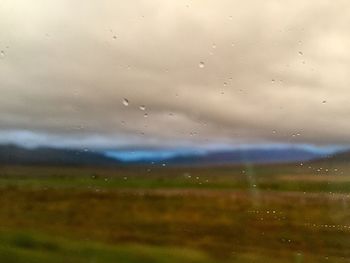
{"x":213,"y":46}
{"x":301,"y":53}
{"x":125,"y":102}
{"x":2,"y":53}
{"x":145,"y":115}
{"x":114,"y":37}
{"x":272,"y":80}
{"x":201,"y":64}
{"x":324,"y":101}
{"x":142,"y":107}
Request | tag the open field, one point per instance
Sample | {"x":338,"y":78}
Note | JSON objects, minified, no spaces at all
{"x":142,"y":214}
{"x":306,"y":178}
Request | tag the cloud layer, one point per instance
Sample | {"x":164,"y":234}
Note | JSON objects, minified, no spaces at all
{"x":207,"y":72}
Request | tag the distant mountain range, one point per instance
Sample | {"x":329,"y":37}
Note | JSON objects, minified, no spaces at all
{"x":11,"y":154}
{"x":243,"y":156}
{"x":340,"y":157}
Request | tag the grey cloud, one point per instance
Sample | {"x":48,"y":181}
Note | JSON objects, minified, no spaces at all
{"x":269,"y":65}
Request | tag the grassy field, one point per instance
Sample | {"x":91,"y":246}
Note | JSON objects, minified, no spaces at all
{"x":280,"y":213}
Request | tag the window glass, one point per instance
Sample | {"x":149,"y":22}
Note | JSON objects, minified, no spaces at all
{"x":174,"y":131}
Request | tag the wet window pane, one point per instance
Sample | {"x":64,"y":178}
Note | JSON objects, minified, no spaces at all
{"x":174,"y":131}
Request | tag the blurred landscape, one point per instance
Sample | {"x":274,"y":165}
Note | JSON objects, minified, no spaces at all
{"x":68,"y":210}
{"x":167,"y":131}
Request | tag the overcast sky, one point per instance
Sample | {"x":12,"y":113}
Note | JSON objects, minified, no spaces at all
{"x":208,"y":73}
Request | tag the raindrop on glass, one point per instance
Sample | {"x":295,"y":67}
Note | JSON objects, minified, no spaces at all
{"x":201,"y":64}
{"x":125,"y":102}
{"x":142,"y":107}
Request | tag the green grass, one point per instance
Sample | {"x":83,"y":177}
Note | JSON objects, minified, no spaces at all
{"x":224,"y":178}
{"x":32,"y":248}
{"x":25,"y":247}
{"x":227,"y":214}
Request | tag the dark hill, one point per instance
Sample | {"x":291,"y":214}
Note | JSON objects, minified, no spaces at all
{"x":342,"y":157}
{"x":11,"y":154}
{"x":242,"y":156}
